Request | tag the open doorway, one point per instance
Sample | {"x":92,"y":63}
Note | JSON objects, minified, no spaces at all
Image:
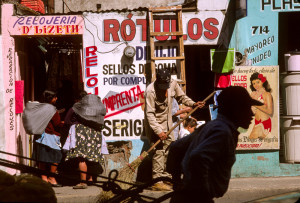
{"x":52,"y":63}
{"x":288,"y":33}
{"x":199,"y":77}
{"x":289,"y":42}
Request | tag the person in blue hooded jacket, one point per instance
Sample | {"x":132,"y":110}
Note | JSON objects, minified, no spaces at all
{"x":205,"y":157}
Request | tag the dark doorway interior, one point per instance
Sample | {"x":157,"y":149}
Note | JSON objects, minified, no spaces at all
{"x":289,"y":41}
{"x":199,"y":77}
{"x":48,"y":62}
{"x":289,"y":32}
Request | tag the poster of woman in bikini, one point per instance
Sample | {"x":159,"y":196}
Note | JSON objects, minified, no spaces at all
{"x":261,"y":91}
{"x":262,"y":84}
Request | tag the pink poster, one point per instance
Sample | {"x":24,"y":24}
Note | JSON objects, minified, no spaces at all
{"x":19,"y":96}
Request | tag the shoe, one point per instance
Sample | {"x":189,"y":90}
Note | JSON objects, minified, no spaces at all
{"x":89,"y":183}
{"x":55,"y":185}
{"x":80,"y":186}
{"x":168,"y":183}
{"x":160,"y":186}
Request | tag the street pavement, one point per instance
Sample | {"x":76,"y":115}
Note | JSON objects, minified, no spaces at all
{"x":240,"y":190}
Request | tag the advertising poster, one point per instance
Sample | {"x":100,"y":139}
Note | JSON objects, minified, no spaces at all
{"x":120,"y":80}
{"x":262,"y":84}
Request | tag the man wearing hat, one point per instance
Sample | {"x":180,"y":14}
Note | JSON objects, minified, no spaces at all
{"x":208,"y":154}
{"x":159,"y":97}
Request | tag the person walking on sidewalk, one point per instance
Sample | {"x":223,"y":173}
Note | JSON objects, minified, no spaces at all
{"x":159,"y":97}
{"x":90,"y":113}
{"x":207,"y":155}
{"x":46,"y":148}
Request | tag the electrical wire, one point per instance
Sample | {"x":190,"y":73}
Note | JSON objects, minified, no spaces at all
{"x":23,"y":157}
{"x":120,"y":194}
{"x":85,"y":18}
{"x":101,"y":40}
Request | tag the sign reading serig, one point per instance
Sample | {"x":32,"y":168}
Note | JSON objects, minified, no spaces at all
{"x":121,"y":81}
{"x":262,"y":84}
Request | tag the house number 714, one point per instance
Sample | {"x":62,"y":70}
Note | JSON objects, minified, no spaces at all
{"x":260,"y":30}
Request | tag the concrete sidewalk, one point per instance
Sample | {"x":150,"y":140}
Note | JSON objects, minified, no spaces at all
{"x":240,"y":190}
{"x":248,"y":189}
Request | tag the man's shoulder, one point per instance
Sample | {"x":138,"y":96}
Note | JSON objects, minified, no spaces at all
{"x":217,"y":124}
{"x":150,"y":87}
{"x":173,"y":83}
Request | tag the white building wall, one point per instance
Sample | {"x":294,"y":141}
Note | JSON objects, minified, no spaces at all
{"x":83,"y":5}
{"x":212,"y":4}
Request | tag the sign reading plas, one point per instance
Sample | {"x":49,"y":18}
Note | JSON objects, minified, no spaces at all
{"x":46,"y":25}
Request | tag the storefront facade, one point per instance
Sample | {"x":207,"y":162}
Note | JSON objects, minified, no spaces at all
{"x":120,"y":80}
{"x":266,"y":33}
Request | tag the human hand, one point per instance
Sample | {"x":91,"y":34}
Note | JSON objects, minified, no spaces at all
{"x":200,"y":104}
{"x":162,"y":136}
{"x":187,"y":109}
{"x":61,"y":110}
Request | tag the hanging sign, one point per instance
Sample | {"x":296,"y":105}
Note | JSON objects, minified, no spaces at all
{"x":46,"y":25}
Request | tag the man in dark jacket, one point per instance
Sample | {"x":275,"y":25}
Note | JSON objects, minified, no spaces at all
{"x":208,"y":155}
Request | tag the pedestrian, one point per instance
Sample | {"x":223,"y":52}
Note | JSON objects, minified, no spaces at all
{"x":188,"y":127}
{"x":261,"y":91}
{"x":47,"y":149}
{"x":87,"y":147}
{"x":206,"y":156}
{"x":159,"y":97}
{"x":71,"y":117}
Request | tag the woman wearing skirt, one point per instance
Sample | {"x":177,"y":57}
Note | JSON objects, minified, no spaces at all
{"x":46,"y":148}
{"x":87,"y":138}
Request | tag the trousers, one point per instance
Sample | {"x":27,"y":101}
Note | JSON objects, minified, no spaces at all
{"x":160,"y":158}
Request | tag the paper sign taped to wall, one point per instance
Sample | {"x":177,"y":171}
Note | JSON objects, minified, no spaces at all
{"x":19,"y":94}
{"x":262,"y":84}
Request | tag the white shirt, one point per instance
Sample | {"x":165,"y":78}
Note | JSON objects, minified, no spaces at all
{"x":183,"y":132}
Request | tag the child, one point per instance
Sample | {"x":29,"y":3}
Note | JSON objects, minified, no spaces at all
{"x":188,"y":127}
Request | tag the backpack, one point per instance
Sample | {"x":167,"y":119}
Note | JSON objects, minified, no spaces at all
{"x":36,"y":117}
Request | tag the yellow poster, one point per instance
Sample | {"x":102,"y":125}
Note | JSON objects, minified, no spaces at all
{"x":262,"y":83}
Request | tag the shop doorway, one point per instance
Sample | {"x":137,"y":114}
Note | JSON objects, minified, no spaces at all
{"x":52,"y":63}
{"x":289,"y":43}
{"x":199,"y":77}
{"x":288,"y":34}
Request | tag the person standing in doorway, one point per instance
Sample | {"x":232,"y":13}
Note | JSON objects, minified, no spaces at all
{"x":159,"y":97}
